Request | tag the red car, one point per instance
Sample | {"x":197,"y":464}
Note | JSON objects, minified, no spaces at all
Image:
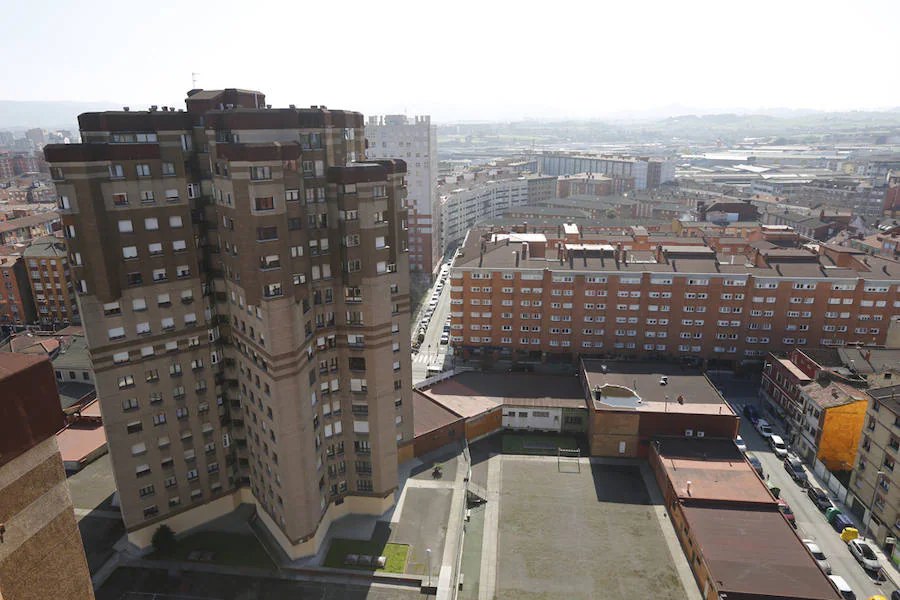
{"x":785,"y":509}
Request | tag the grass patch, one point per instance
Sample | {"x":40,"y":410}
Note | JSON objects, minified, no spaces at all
{"x":395,"y":553}
{"x":227,"y":548}
{"x":537,"y":444}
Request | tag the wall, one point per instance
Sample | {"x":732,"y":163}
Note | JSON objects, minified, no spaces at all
{"x":840,"y":434}
{"x":543,"y":419}
{"x":575,"y":413}
{"x":438,"y":438}
{"x":484,"y":424}
{"x":608,"y":429}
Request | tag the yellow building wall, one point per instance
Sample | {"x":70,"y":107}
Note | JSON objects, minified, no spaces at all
{"x":841,"y":429}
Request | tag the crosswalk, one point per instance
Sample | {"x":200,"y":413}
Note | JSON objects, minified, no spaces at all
{"x":425,"y":358}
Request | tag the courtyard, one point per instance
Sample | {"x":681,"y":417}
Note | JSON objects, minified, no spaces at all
{"x":591,"y":533}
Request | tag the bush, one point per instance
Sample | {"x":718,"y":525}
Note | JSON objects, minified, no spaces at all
{"x":164,"y":540}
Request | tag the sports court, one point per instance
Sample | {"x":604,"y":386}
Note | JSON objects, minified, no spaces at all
{"x":566,"y":532}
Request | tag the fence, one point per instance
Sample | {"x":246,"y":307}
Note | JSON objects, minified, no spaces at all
{"x":831,"y":482}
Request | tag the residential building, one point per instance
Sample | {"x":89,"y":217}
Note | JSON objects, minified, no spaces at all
{"x":465,"y":203}
{"x":51,"y":282}
{"x":7,"y":168}
{"x":833,"y":417}
{"x":41,"y":555}
{"x":36,"y":136}
{"x":595,"y":185}
{"x":874,"y":482}
{"x":17,"y":231}
{"x":713,"y":498}
{"x":16,"y":299}
{"x":647,"y":172}
{"x":244,"y":289}
{"x":415,"y":142}
{"x":535,"y":295}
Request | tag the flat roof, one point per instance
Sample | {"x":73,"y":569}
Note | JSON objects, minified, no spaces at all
{"x":794,"y":369}
{"x":716,"y":470}
{"x":755,"y":552}
{"x":636,"y":386}
{"x":428,"y":415}
{"x":472,"y":393}
{"x":76,"y":442}
{"x":832,"y":395}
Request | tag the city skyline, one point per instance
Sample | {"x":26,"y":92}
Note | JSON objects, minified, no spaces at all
{"x":805,"y":65}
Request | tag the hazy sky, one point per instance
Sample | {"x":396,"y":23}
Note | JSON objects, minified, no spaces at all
{"x":460,"y":59}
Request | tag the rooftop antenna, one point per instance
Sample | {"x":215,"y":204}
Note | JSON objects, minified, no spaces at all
{"x":194,"y":77}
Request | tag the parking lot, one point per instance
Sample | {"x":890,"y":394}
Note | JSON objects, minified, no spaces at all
{"x":572,"y":535}
{"x":811,"y":523}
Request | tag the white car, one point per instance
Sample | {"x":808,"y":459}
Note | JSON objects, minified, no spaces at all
{"x":739,"y":442}
{"x":778,"y":446}
{"x":764,"y":429}
{"x":863,"y":553}
{"x":841,"y":584}
{"x":818,"y":555}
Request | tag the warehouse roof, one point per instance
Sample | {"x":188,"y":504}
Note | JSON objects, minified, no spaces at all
{"x":429,"y":415}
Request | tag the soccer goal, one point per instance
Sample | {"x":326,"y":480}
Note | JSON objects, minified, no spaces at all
{"x":568,"y":460}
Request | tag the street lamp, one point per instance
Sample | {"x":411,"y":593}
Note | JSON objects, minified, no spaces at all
{"x":428,"y":559}
{"x":878,"y":477}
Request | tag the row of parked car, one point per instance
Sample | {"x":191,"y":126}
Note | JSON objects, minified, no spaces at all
{"x":840,"y":522}
{"x":432,"y":305}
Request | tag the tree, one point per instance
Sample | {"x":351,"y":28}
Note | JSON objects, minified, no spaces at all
{"x":611,"y":213}
{"x":164,"y":539}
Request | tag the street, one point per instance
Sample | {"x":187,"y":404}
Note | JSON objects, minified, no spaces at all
{"x":811,"y":523}
{"x":431,"y":351}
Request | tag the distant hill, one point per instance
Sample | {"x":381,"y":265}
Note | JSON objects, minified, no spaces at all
{"x":48,"y":114}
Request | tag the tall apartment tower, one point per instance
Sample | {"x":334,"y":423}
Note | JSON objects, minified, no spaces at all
{"x":41,"y":555}
{"x":414,"y":141}
{"x":243,"y":283}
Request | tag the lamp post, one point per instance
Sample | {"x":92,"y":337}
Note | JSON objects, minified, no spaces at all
{"x":428,"y":560}
{"x":878,"y":477}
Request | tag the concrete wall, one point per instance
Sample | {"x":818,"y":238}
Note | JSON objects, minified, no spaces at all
{"x":608,"y":430}
{"x":437,"y":438}
{"x":484,"y":424}
{"x":530,"y":418}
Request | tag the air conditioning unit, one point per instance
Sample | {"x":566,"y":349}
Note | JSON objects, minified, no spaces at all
{"x":699,"y":434}
{"x":688,"y":432}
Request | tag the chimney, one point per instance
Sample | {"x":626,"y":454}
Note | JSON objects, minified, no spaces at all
{"x":688,"y":488}
{"x":624,"y":257}
{"x":571,"y":260}
{"x":524,"y":250}
{"x":517,"y":258}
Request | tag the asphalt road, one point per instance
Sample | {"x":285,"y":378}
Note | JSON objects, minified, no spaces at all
{"x":811,"y":523}
{"x":431,"y":351}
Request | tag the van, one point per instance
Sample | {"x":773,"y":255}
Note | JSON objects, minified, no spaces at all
{"x":778,"y":446}
{"x":434,"y":370}
{"x":842,"y":587}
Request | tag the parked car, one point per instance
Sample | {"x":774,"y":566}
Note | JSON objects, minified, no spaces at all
{"x":864,"y":555}
{"x":841,"y":522}
{"x":794,"y":468}
{"x":842,"y":587}
{"x":751,"y":413}
{"x":820,"y":498}
{"x":778,"y":446}
{"x":818,"y":555}
{"x":739,"y":442}
{"x":785,"y":509}
{"x":764,"y":429}
{"x":757,"y":466}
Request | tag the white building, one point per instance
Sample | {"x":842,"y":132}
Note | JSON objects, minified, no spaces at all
{"x":415,"y":141}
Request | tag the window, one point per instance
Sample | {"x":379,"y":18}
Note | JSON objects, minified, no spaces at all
{"x":260,"y":173}
{"x":266,"y":233}
{"x":171,"y":195}
{"x":151,"y":224}
{"x":175,"y":222}
{"x":155,"y":249}
{"x":125,"y":226}
{"x":143,"y":170}
{"x":266,"y":203}
{"x":116,"y":172}
{"x":179,"y":246}
{"x":116,"y":333}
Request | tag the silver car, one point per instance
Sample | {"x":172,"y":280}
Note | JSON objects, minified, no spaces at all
{"x":863,"y":553}
{"x":818,"y":555}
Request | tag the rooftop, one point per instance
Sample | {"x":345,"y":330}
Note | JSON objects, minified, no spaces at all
{"x":49,"y":246}
{"x":651,"y":387}
{"x":715,"y":470}
{"x":832,"y":395}
{"x":429,"y":415}
{"x":29,"y":221}
{"x":770,"y":561}
{"x":472,"y":393}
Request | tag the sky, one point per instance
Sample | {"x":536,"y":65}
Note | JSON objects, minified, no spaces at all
{"x":462,"y":60}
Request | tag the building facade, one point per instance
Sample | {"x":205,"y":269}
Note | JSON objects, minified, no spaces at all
{"x":617,"y":295}
{"x":16,"y":300}
{"x":243,"y":285}
{"x":464,"y":204}
{"x":51,"y":282}
{"x":647,"y":173}
{"x":41,"y":555}
{"x":415,"y":142}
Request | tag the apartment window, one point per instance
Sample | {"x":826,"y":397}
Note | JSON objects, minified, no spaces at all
{"x":155,"y":249}
{"x":260,"y":173}
{"x":182,"y":271}
{"x":266,"y":233}
{"x":116,"y":333}
{"x":125,"y":226}
{"x":171,"y":195}
{"x":265,"y":203}
{"x":116,"y":172}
